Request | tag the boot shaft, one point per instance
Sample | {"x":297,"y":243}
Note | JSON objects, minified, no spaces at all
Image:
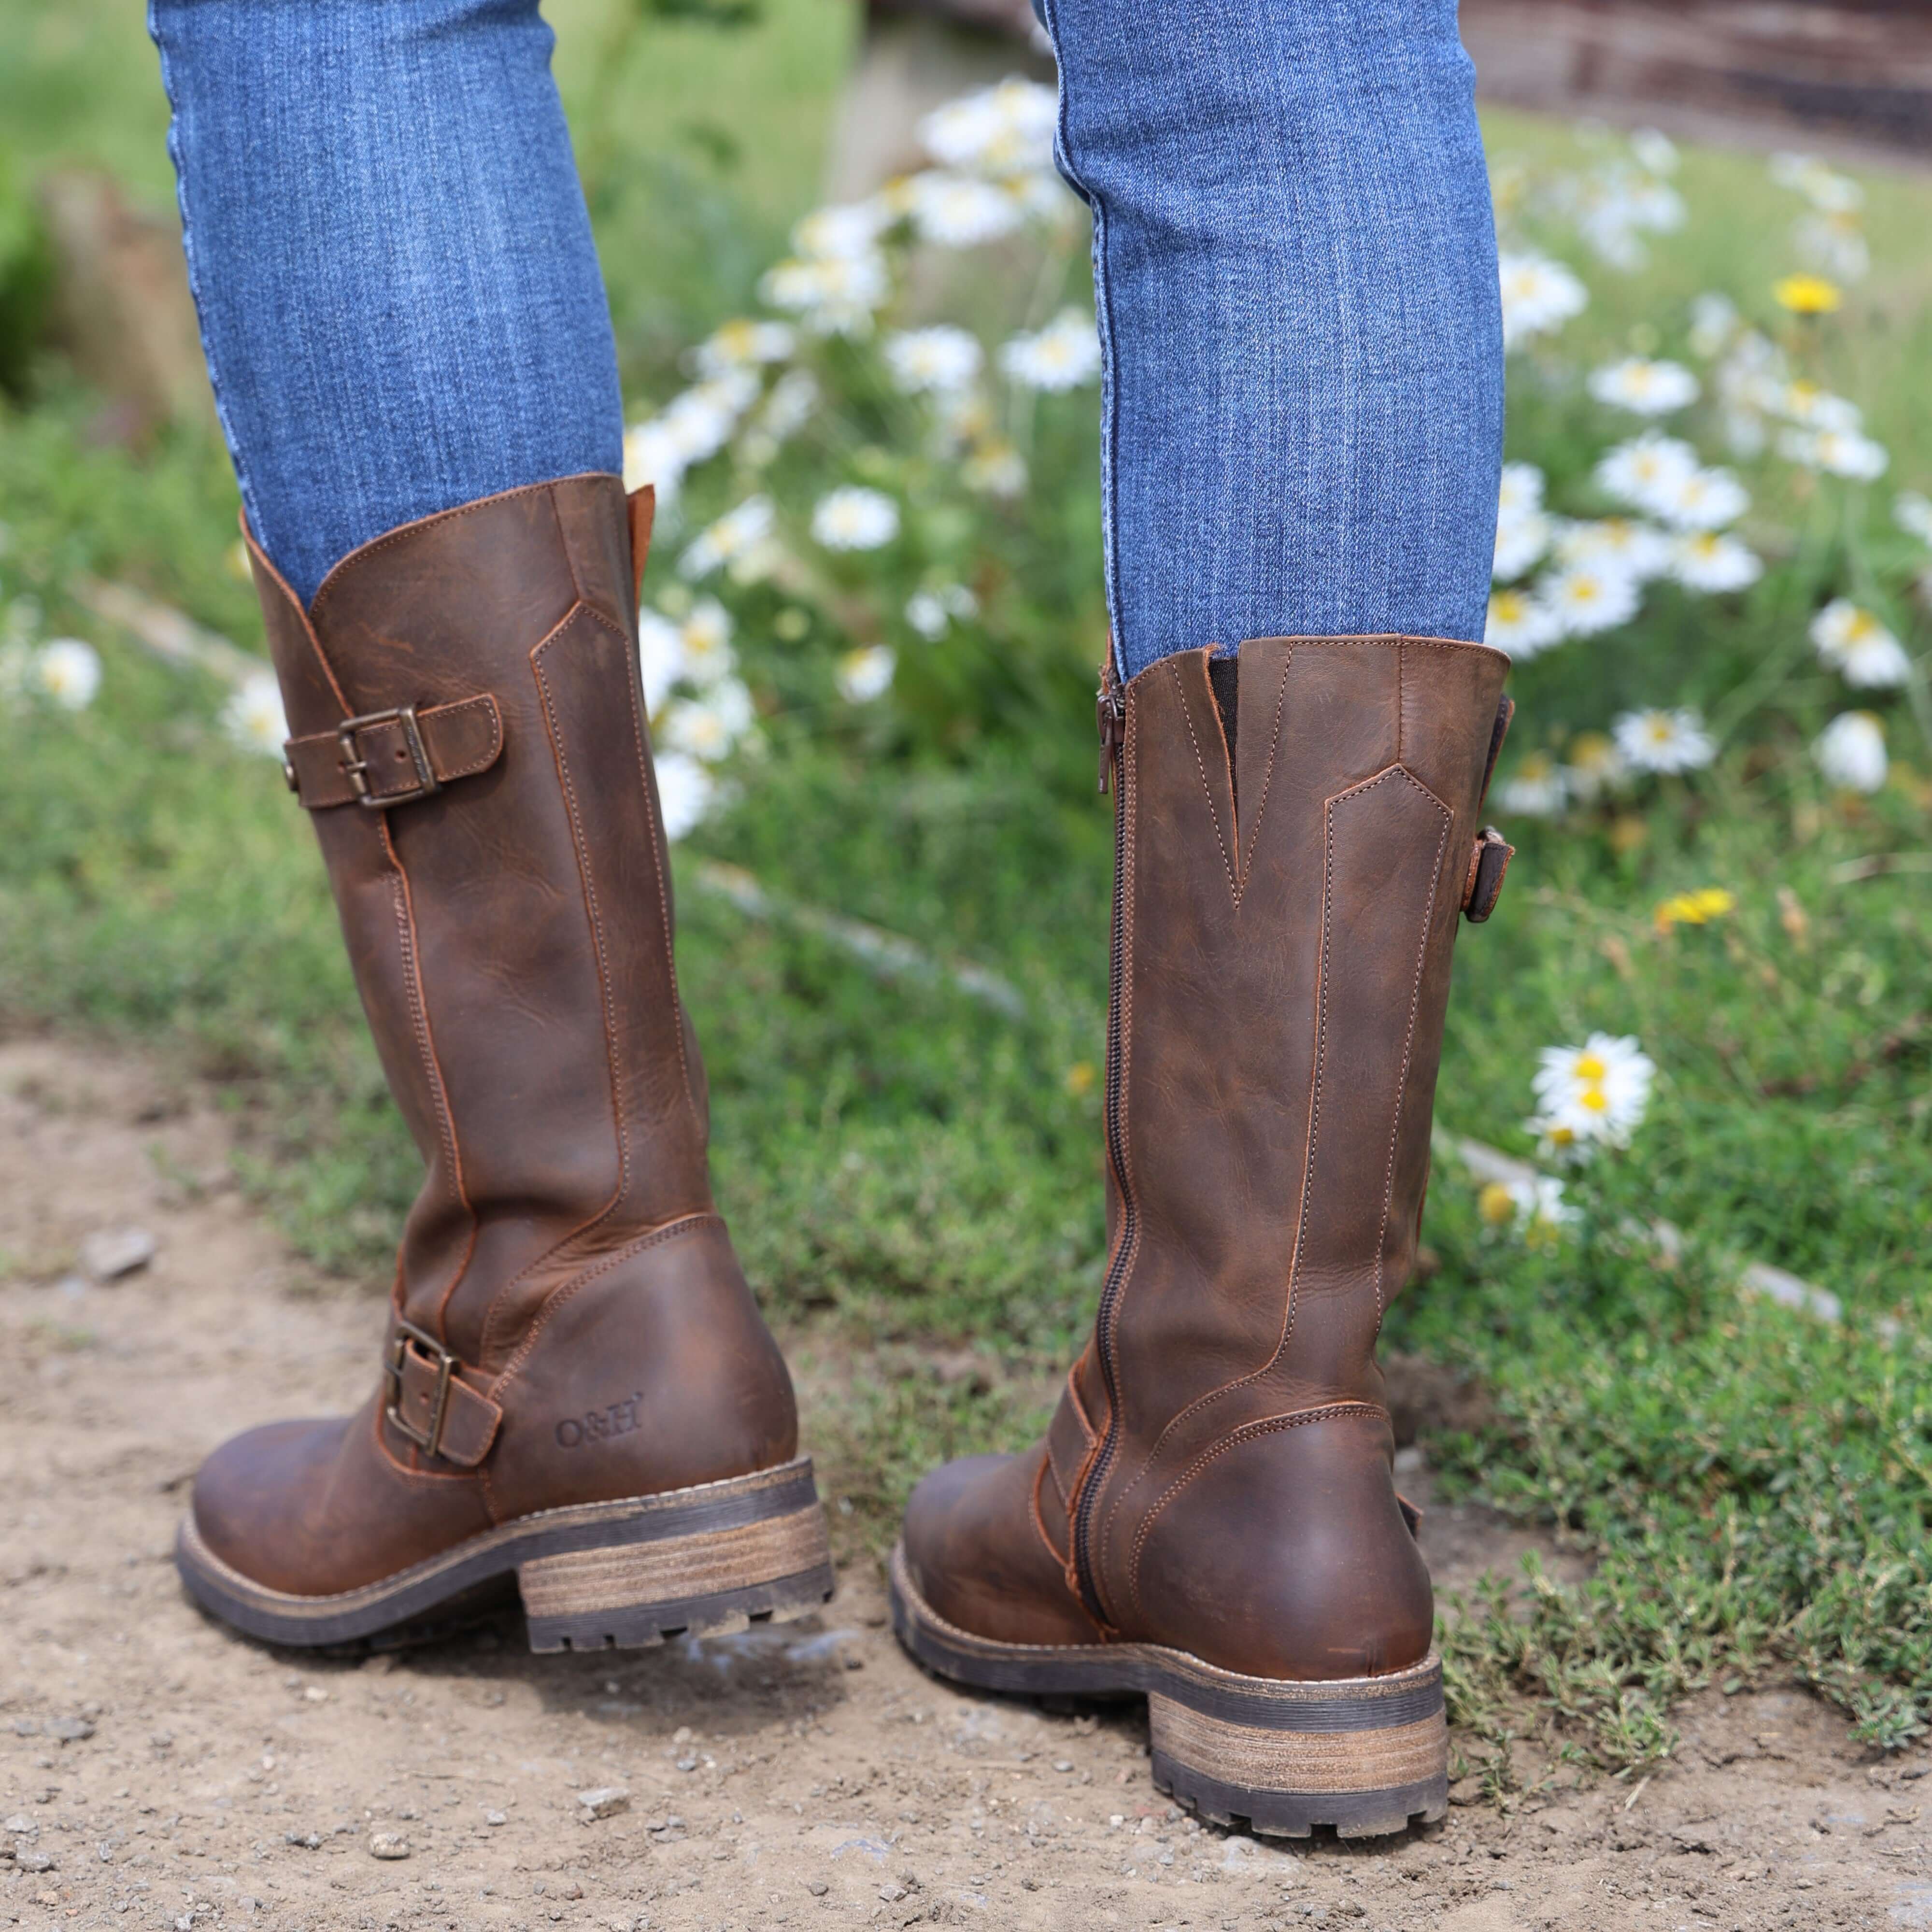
{"x":1287,"y":893}
{"x":468,"y":730}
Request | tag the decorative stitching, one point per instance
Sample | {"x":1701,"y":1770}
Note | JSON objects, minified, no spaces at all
{"x":405,"y":929}
{"x":1206,"y":789}
{"x":1249,"y":1432}
{"x":1246,"y":847}
{"x":404,"y":532}
{"x":656,"y":1237}
{"x":1409,"y":1044}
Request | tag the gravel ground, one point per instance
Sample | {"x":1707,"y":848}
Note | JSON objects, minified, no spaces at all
{"x":156,"y":1771}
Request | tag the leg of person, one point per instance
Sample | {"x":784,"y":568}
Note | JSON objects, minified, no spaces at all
{"x":1295,"y":269}
{"x":413,"y":358}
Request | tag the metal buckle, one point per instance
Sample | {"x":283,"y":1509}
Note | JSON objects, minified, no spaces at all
{"x":357,"y":766}
{"x":445,"y":1367}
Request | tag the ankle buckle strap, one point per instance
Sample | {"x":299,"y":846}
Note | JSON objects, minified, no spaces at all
{"x":430,"y":1404}
{"x":382,"y":759}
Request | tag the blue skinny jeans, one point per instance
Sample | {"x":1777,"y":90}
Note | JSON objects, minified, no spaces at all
{"x":1294,"y":264}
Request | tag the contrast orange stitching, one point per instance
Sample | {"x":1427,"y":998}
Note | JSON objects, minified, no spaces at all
{"x":1409,"y":1037}
{"x":1206,"y":789}
{"x":1248,"y":1432}
{"x":671,"y":1230}
{"x":1245,"y":846}
{"x":407,"y":531}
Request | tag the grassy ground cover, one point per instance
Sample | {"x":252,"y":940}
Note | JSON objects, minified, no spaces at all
{"x":909,"y":1169}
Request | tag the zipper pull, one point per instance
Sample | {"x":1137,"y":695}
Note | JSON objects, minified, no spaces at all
{"x":1110,"y":709}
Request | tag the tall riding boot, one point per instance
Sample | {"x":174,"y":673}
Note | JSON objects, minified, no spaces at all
{"x":1212,"y":1518}
{"x":576,"y":1386}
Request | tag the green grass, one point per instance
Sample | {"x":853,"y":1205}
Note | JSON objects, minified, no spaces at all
{"x":909,"y":1173}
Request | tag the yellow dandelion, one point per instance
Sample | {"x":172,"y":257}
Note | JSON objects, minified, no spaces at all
{"x":1808,"y":294}
{"x":1697,"y":908}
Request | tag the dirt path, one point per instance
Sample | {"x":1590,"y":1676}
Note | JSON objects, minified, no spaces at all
{"x":155,"y":1771}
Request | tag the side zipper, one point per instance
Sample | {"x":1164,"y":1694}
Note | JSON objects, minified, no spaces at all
{"x":1111,"y":708}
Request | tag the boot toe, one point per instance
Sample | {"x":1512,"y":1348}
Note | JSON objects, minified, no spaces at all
{"x":247,"y":1503}
{"x":978,"y":1557}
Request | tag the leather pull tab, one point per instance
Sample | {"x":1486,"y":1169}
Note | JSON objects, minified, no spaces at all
{"x":1488,"y":862}
{"x":1411,"y":1515}
{"x":1499,"y":731}
{"x":643,"y":504}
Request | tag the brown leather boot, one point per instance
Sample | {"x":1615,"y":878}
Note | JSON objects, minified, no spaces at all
{"x":577,"y":1386}
{"x":1211,"y":1519}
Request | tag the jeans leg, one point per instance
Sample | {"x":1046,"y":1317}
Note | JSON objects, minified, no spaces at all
{"x":1295,"y":271}
{"x":399,"y":294}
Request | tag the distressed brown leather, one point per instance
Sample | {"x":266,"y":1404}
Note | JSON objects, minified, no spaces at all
{"x":511,"y":938}
{"x":1217,"y":1477}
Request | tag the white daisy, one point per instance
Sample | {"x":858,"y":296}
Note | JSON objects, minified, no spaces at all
{"x":1714,"y":319}
{"x":1912,"y":513}
{"x":1811,"y":407}
{"x":1822,"y":186}
{"x":834,"y":295}
{"x":1595,"y":766}
{"x":1593,"y":1094}
{"x":789,"y":406}
{"x":651,"y":455}
{"x":1519,"y":494}
{"x":686,"y":793}
{"x":1837,"y":452}
{"x":1706,"y":499}
{"x":699,"y":422}
{"x":931,"y":613}
{"x":660,"y":658}
{"x":866,"y":674}
{"x":1519,"y":624}
{"x":1063,"y":355}
{"x":1584,"y":598}
{"x":1536,"y":789}
{"x":1663,"y":741}
{"x":254,"y":717}
{"x":1538,"y":296}
{"x":1850,"y":751}
{"x":1834,"y":243}
{"x":1709,"y":562}
{"x":705,"y":638}
{"x":995,"y":469}
{"x":1645,"y":388}
{"x":69,"y":672}
{"x":936,"y":361}
{"x":743,"y":344}
{"x":1619,"y":544}
{"x":735,"y":535}
{"x":855,"y":518}
{"x":1858,"y":647}
{"x":1655,"y":150}
{"x":1521,"y":538}
{"x":1005,"y":130}
{"x":707,"y":727}
{"x":958,"y":211}
{"x":1646,"y":471}
{"x":848,"y":231}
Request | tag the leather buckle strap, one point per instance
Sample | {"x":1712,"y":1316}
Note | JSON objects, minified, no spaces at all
{"x":382,"y":759}
{"x":430,"y":1403}
{"x":1489,"y":864}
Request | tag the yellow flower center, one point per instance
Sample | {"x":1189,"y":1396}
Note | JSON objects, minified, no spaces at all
{"x":1595,"y":1099}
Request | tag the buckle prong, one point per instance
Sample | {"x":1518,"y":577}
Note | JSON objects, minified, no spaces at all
{"x":357,"y":766}
{"x":406,"y":1334}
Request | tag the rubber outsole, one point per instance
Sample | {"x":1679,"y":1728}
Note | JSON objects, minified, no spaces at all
{"x":1364,"y":1756}
{"x":699,"y":1562}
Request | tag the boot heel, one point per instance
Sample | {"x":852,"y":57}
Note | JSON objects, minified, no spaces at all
{"x":1365,"y":1755}
{"x":697,"y":1562}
